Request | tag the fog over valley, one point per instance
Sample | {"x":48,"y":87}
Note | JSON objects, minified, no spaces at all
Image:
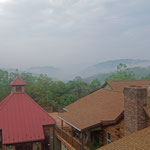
{"x":68,"y":37}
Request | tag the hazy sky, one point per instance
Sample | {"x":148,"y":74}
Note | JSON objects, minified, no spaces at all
{"x":76,"y":33}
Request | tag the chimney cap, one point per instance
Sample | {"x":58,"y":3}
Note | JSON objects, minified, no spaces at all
{"x":132,"y":88}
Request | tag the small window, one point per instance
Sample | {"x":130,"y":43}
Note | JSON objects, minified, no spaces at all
{"x":108,"y":137}
{"x":18,"y":88}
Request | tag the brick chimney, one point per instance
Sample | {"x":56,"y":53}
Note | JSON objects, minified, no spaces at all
{"x":134,"y":115}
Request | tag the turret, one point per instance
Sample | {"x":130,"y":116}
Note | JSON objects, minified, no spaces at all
{"x":17,"y":85}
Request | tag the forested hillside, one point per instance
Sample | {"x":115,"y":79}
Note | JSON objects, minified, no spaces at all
{"x":107,"y":67}
{"x":47,"y":92}
{"x":139,"y":72}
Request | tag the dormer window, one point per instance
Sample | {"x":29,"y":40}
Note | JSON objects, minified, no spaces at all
{"x":18,"y":88}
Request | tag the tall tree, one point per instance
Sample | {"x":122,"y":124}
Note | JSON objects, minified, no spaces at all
{"x":122,"y":74}
{"x":95,"y":84}
{"x":4,"y":84}
{"x":47,"y":92}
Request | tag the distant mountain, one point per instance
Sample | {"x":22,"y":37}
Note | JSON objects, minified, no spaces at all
{"x":44,"y":69}
{"x":138,"y":71}
{"x":49,"y":70}
{"x":111,"y":66}
{"x":9,"y":69}
{"x":101,"y":70}
{"x":114,"y":63}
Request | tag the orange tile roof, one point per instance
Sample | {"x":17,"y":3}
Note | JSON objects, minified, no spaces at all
{"x":93,"y":109}
{"x":139,"y":140}
{"x":99,"y":106}
{"x":119,"y":85}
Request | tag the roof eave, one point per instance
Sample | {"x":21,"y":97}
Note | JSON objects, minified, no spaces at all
{"x":101,"y":123}
{"x":105,"y":122}
{"x":65,"y":109}
{"x":69,"y":123}
{"x":24,"y":141}
{"x":49,"y":124}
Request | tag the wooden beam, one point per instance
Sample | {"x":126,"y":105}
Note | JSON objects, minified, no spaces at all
{"x":51,"y":138}
{"x":64,"y":142}
{"x":71,"y":131}
{"x":62,"y":124}
{"x":83,"y":138}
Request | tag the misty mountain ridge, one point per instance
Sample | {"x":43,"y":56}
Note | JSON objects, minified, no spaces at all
{"x":111,"y":66}
{"x":114,"y":63}
{"x":50,"y":71}
{"x":43,"y":69}
{"x":139,"y":72}
{"x":100,"y":70}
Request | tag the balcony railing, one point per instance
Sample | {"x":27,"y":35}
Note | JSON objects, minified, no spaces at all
{"x":69,"y":139}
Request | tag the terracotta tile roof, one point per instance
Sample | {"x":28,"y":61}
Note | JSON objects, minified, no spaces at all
{"x":119,"y":85}
{"x":137,"y":141}
{"x":98,"y":107}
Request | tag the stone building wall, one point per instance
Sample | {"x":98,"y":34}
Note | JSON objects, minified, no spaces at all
{"x":116,"y":131}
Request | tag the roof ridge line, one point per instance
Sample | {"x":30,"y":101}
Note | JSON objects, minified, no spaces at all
{"x":112,"y":90}
{"x":39,"y":106}
{"x":126,"y":80}
{"x":6,"y":100}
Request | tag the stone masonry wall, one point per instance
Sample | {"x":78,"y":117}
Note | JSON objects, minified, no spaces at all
{"x":116,"y":131}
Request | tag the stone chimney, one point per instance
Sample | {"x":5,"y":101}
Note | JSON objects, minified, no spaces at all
{"x":134,"y":115}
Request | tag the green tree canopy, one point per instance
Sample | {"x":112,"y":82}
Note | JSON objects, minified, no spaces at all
{"x":122,"y":74}
{"x":45,"y":91}
{"x":95,"y":84}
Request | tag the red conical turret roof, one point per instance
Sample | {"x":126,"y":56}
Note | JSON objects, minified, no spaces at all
{"x":21,"y":118}
{"x":17,"y":81}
